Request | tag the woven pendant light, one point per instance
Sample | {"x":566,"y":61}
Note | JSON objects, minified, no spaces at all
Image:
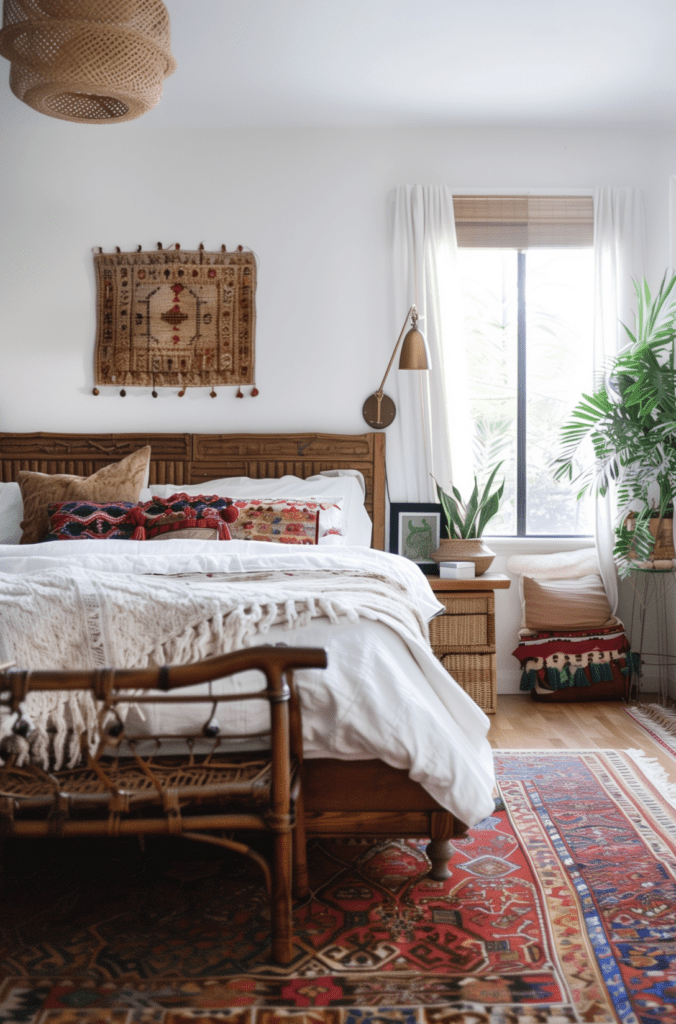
{"x":91,"y":61}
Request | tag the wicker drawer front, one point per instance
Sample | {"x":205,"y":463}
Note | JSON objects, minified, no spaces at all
{"x":469,"y":604}
{"x":476,"y":673}
{"x":464,"y":630}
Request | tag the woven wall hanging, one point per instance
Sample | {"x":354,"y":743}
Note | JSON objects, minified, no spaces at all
{"x":174,"y":318}
{"x":90,"y":61}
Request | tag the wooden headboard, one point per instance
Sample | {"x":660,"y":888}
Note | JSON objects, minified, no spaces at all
{"x":184,"y":459}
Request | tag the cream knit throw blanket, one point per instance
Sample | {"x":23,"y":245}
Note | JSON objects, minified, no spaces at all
{"x":75,"y":618}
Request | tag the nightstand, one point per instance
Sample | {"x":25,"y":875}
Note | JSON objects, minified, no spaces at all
{"x":463,"y":637}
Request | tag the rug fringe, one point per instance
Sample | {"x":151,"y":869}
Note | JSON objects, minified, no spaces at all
{"x":659,"y":722}
{"x":654,"y":771}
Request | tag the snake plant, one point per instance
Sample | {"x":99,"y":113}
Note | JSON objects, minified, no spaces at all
{"x":468,"y":520}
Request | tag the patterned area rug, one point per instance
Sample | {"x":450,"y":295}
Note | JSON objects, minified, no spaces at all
{"x":659,"y":722}
{"x":561,"y":908}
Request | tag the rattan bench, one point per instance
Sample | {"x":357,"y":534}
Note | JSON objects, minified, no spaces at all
{"x":127,"y":787}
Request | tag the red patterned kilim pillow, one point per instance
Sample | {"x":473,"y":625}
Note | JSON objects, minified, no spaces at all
{"x":75,"y":520}
{"x":179,"y":515}
{"x":163,"y":517}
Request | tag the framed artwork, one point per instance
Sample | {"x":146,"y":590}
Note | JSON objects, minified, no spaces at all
{"x":415,"y":532}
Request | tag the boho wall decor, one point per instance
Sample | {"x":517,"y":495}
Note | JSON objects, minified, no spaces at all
{"x":174,"y":318}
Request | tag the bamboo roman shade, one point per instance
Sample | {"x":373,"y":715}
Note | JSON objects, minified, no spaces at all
{"x":524,"y":222}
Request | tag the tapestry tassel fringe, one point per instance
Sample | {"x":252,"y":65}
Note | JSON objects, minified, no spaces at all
{"x":179,"y":394}
{"x":580,"y":677}
{"x":633,"y":665}
{"x":560,"y":679}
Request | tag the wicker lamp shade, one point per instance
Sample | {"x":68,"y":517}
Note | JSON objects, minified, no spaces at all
{"x":90,"y":61}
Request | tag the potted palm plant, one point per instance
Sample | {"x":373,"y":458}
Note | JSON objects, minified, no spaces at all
{"x":466,"y":521}
{"x":631,"y":423}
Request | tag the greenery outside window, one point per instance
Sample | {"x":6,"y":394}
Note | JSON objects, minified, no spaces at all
{"x":526,"y":266}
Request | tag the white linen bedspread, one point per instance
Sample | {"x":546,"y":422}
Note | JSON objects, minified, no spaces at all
{"x":384,"y":694}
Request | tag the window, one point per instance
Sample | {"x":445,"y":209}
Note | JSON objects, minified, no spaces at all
{"x":526,"y":266}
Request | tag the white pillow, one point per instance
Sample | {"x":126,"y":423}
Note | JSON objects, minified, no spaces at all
{"x":347,"y":488}
{"x":11,"y":513}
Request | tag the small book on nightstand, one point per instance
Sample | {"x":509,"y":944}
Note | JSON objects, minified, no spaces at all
{"x":456,"y":570}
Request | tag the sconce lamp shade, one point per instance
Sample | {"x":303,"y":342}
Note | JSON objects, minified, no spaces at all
{"x":414,"y":351}
{"x":89,"y":61}
{"x":379,"y":410}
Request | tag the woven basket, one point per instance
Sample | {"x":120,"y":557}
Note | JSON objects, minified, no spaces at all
{"x":476,"y":674}
{"x":463,"y":630}
{"x":458,"y":550}
{"x":662,"y":531}
{"x":90,"y":61}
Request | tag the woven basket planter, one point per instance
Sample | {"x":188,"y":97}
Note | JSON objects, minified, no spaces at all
{"x":662,"y":531}
{"x":458,"y":550}
{"x":90,"y":61}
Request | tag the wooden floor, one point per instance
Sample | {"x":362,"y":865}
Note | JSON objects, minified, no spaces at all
{"x":522,"y":723}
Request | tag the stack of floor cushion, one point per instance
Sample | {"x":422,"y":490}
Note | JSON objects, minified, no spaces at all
{"x":572,"y":646}
{"x":576,"y":665}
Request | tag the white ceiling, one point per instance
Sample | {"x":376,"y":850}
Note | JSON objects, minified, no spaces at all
{"x":314,"y":63}
{"x":486,"y":63}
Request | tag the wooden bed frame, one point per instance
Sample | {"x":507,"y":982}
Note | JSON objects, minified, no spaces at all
{"x":367,"y":798}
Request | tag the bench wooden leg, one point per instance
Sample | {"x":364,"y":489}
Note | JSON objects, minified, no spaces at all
{"x":443,"y":827}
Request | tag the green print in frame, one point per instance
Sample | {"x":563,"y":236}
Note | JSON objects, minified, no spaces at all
{"x":415,"y":532}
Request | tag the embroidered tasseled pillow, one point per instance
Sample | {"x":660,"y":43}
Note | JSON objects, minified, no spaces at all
{"x":280,"y":522}
{"x":79,"y":520}
{"x":118,"y":482}
{"x":332,"y":524}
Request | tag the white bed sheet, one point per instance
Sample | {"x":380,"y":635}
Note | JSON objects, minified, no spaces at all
{"x":383,"y":695}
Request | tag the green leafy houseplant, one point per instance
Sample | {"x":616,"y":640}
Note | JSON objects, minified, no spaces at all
{"x":631,"y":422}
{"x":465,"y":521}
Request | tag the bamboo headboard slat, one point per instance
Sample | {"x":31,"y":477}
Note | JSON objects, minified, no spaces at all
{"x":184,"y":459}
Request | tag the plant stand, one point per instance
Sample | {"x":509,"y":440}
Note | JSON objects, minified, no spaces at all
{"x":651,"y":627}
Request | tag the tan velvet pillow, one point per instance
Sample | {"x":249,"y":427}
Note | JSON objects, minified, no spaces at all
{"x":565,"y":604}
{"x":120,"y":481}
{"x":190,"y":533}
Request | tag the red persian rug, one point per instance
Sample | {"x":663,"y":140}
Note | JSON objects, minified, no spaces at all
{"x":561,"y":908}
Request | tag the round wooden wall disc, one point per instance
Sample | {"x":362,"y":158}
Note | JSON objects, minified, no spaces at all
{"x":388,"y":411}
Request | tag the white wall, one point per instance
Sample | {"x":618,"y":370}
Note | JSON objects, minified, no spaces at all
{"x":311,"y":204}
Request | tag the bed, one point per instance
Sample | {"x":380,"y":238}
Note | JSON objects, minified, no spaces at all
{"x":412,"y":759}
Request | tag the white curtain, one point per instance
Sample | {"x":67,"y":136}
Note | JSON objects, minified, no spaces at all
{"x":619,"y":258}
{"x":672,"y":222}
{"x":431,"y":435}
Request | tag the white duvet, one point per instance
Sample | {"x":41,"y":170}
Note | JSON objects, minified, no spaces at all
{"x":384,"y":694}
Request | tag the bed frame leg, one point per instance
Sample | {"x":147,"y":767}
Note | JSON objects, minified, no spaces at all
{"x":439,"y":849}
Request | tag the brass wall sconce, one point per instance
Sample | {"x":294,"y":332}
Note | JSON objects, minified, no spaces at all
{"x":379,"y":409}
